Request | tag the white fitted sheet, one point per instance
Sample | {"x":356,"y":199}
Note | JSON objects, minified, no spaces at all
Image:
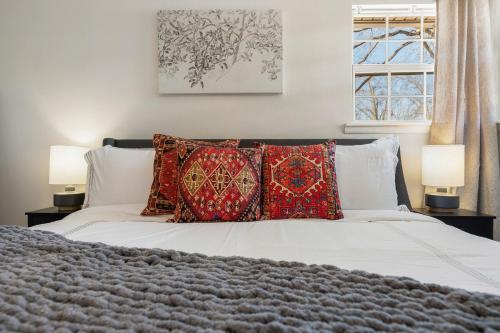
{"x":383,"y":242}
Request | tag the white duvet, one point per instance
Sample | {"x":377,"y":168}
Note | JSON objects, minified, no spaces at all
{"x":383,"y":242}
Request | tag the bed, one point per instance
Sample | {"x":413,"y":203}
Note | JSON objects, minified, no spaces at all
{"x":373,"y":270}
{"x":385,"y":242}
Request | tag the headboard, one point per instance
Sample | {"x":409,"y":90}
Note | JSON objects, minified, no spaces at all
{"x":403,"y":198}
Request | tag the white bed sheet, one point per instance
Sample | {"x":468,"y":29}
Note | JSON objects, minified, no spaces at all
{"x":383,"y":242}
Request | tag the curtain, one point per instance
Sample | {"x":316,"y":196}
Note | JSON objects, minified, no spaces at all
{"x":464,"y":100}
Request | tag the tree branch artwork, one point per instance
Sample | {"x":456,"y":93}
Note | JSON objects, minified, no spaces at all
{"x":220,"y":51}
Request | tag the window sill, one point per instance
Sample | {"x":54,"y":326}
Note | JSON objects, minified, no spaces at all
{"x":386,"y":127}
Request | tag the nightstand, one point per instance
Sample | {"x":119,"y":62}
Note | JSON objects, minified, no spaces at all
{"x":472,"y":222}
{"x":45,"y":215}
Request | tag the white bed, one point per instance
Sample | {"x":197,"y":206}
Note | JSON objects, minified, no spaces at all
{"x":384,"y":242}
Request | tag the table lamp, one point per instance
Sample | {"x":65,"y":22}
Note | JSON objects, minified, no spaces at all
{"x":443,"y":169}
{"x":68,"y":167}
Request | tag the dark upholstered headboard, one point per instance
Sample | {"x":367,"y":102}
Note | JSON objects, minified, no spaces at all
{"x":403,"y":198}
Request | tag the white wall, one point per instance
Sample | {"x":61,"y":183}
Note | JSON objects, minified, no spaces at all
{"x":73,"y":72}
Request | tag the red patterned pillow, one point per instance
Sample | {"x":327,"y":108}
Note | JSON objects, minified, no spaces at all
{"x":218,"y":184}
{"x":300,"y":182}
{"x":163,"y":195}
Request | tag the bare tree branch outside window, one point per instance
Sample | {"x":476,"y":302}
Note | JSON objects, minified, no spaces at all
{"x":390,"y":42}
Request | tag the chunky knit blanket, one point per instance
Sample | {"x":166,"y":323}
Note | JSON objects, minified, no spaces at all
{"x":49,"y":283}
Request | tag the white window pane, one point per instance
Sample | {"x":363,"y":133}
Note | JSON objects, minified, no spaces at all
{"x":368,"y":28}
{"x":428,"y":52}
{"x":407,"y":84}
{"x":371,"y":108}
{"x":430,"y":84}
{"x":404,"y":27}
{"x":429,"y":108}
{"x":407,"y":108}
{"x":373,"y":84}
{"x":403,"y":52}
{"x":368,"y":53}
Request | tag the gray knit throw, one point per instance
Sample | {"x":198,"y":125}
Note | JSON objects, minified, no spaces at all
{"x":49,"y":283}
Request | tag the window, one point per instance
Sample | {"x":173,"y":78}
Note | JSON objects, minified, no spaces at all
{"x":393,"y":62}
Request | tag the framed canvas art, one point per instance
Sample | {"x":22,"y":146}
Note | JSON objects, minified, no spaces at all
{"x":220,"y":51}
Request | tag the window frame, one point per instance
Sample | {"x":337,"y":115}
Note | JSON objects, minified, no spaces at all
{"x":388,"y":11}
{"x":382,"y":69}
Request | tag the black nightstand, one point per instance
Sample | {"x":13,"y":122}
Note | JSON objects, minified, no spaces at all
{"x":45,"y":215}
{"x":472,"y":222}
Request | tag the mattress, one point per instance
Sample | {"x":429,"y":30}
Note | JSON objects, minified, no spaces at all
{"x":393,"y":243}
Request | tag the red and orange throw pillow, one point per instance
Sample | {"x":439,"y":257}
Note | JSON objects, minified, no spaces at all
{"x":218,"y":184}
{"x":163,"y":195}
{"x":300,"y":182}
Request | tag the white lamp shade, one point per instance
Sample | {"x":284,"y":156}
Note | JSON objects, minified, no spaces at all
{"x":67,"y":165}
{"x":443,"y":165}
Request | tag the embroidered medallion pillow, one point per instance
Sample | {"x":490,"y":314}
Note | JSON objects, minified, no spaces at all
{"x":300,"y":182}
{"x":218,"y":184}
{"x":163,"y":194}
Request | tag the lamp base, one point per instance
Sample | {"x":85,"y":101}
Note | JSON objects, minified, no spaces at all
{"x":441,"y":202}
{"x":69,"y":201}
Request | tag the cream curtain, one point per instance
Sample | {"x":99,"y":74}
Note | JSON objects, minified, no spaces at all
{"x":464,"y":101}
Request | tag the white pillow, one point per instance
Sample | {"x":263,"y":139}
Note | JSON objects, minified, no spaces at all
{"x":118,"y":176}
{"x":366,"y":174}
